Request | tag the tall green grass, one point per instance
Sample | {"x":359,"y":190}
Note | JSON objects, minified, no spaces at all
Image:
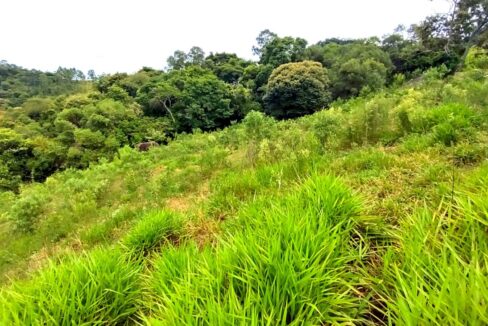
{"x":438,"y":274}
{"x":286,"y":262}
{"x":154,"y":228}
{"x":100,"y":288}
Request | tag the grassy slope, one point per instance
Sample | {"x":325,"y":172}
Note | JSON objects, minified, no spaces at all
{"x":371,"y":212}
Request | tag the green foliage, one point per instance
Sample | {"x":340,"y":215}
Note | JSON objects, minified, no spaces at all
{"x":409,"y":56}
{"x":477,"y":58}
{"x":448,"y":123}
{"x":296,"y":89}
{"x":354,"y":76}
{"x":369,"y":122}
{"x":194,"y":98}
{"x":26,"y":212}
{"x":205,"y":103}
{"x":157,"y":100}
{"x":100,"y":287}
{"x":154,"y":229}
{"x":470,"y":154}
{"x":18,"y":84}
{"x":439,"y":272}
{"x":246,"y":225}
{"x":226,"y":66}
{"x":257,"y":126}
{"x":14,"y":157}
{"x":180,"y":59}
{"x":118,"y":93}
{"x":455,"y":32}
{"x":353,"y":66}
{"x":39,"y":109}
{"x":367,"y":161}
{"x":45,"y":136}
{"x":275,"y":51}
{"x":281,"y":268}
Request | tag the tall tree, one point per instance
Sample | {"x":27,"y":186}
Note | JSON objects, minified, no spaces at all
{"x":464,"y":26}
{"x":177,"y":60}
{"x":468,"y":23}
{"x":275,"y":51}
{"x":180,"y":59}
{"x":196,"y":56}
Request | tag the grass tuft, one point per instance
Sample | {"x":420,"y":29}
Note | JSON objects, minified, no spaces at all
{"x":99,"y":288}
{"x":154,"y":229}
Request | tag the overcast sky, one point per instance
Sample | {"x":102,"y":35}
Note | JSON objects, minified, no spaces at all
{"x":122,"y":35}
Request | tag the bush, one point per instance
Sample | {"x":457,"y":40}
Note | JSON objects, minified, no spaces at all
{"x":370,"y":122}
{"x":448,"y":123}
{"x":26,"y":211}
{"x":325,"y":125}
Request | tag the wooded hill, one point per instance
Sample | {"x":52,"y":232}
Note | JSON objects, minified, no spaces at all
{"x":325,"y":184}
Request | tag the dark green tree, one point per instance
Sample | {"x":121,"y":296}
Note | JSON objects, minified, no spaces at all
{"x":274,"y":50}
{"x":296,"y":89}
{"x":466,"y":25}
{"x":354,"y":75}
{"x":227,"y":66}
{"x":193,"y":97}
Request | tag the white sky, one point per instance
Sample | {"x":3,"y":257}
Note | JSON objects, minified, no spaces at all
{"x":123,"y":35}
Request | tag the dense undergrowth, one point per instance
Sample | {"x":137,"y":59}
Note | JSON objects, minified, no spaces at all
{"x":372,"y":212}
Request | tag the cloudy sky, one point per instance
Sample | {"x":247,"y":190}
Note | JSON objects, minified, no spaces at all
{"x":123,"y":35}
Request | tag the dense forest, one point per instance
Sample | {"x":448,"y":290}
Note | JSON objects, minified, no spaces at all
{"x":342,"y":182}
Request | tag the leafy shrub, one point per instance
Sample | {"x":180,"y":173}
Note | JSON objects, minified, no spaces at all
{"x":459,"y":116}
{"x":258,"y":126}
{"x":325,"y":125}
{"x":448,"y":123}
{"x":356,"y":76}
{"x":370,"y":122}
{"x":26,"y":211}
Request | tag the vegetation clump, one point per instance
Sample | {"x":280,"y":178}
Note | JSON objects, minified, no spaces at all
{"x":296,"y":89}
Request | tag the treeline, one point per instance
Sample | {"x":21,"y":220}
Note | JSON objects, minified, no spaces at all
{"x":18,"y":84}
{"x":54,"y":121}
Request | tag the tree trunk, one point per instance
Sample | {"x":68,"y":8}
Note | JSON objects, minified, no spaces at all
{"x":169,"y":111}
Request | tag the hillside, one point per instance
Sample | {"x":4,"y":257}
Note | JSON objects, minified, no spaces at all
{"x":371,"y":212}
